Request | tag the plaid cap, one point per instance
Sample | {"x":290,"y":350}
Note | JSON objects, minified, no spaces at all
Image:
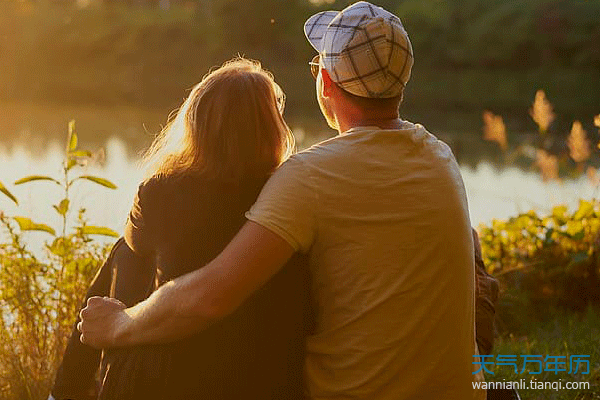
{"x":364,"y":48}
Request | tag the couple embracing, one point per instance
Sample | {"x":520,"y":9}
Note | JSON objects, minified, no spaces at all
{"x":345,"y":271}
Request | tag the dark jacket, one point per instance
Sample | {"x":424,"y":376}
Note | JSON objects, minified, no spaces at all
{"x":175,"y":227}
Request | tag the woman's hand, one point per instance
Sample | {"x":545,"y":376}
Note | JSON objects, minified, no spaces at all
{"x":103,"y":322}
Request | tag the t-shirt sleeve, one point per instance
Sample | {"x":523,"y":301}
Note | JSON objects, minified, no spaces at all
{"x":137,"y":232}
{"x":287,"y":205}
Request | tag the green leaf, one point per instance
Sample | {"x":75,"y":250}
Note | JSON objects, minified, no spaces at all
{"x":586,"y":209}
{"x":62,"y":207}
{"x":26,"y":224}
{"x":32,"y":178}
{"x":565,"y":234}
{"x":559,"y":212}
{"x":98,"y":230}
{"x":71,"y":163}
{"x":81,"y":153}
{"x":4,"y":190}
{"x":58,"y":247}
{"x":579,"y":235}
{"x":72,"y":136}
{"x":99,"y":181}
{"x":574,"y":227}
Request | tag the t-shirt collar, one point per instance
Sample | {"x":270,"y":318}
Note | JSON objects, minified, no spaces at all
{"x":362,"y":128}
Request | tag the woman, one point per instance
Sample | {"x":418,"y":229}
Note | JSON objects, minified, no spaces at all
{"x":206,"y":169}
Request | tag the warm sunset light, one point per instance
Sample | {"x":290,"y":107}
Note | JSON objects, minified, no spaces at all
{"x":303,"y":199}
{"x":541,"y":112}
{"x":579,"y":145}
{"x":494,"y":129}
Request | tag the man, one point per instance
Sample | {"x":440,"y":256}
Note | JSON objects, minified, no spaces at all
{"x":382,"y":213}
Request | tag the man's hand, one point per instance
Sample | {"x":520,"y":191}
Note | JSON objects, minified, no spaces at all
{"x":191,"y":302}
{"x":101,"y":322}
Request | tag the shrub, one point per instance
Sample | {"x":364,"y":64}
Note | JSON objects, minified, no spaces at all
{"x":39,"y":301}
{"x":41,"y":291}
{"x":546,"y":262}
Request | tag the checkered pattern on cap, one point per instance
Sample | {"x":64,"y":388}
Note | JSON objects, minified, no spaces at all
{"x":365,"y":49}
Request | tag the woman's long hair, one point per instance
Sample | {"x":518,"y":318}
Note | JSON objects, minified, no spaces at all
{"x":230,"y":127}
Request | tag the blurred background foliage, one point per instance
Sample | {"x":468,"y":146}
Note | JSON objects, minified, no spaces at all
{"x":470,"y":54}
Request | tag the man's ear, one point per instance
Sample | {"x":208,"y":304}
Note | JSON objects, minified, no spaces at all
{"x":328,"y":84}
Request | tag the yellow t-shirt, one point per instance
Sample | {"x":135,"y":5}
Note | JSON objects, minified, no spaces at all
{"x":383,"y":216}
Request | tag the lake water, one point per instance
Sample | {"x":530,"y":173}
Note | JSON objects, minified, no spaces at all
{"x":30,"y":146}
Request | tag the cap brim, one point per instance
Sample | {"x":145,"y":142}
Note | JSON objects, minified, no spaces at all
{"x":315,"y":27}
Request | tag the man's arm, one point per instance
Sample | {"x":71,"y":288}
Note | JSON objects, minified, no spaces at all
{"x":193,"y":301}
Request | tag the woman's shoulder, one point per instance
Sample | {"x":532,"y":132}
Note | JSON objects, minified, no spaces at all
{"x":163,"y":184}
{"x":159,"y":193}
{"x":171,"y":189}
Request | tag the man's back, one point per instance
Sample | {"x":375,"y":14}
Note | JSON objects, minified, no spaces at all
{"x":383,"y":216}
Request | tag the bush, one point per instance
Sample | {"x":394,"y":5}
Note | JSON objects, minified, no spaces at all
{"x":39,"y":301}
{"x":553,"y":260}
{"x":547,"y":262}
{"x":41,"y":291}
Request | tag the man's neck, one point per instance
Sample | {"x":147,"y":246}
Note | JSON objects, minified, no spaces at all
{"x":383,"y":123}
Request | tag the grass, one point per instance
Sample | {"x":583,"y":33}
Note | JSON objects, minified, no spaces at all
{"x":562,"y":335}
